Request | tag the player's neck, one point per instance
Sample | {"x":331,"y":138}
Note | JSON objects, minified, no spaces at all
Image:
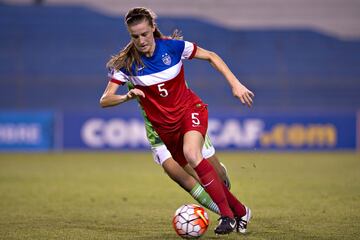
{"x":150,"y":53}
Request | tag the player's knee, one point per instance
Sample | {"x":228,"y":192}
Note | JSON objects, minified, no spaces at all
{"x":192,"y":155}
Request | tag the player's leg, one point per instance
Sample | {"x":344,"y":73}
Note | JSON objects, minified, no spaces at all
{"x":243,"y":213}
{"x":191,"y":172}
{"x":219,"y":167}
{"x":192,"y":145}
{"x":163,"y":157}
{"x":208,"y":152}
{"x":177,"y":173}
{"x":242,"y":217}
{"x":195,"y":128}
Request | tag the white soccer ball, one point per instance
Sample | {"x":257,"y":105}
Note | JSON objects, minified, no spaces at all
{"x":190,"y":221}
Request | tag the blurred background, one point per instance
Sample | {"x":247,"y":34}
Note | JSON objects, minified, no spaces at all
{"x":301,"y":58}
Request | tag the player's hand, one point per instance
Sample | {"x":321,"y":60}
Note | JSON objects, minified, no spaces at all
{"x":245,"y":95}
{"x":135,"y":93}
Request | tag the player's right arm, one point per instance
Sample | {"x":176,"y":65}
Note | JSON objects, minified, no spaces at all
{"x":110,"y":98}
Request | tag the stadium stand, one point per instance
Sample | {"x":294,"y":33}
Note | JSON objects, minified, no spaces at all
{"x":53,"y":57}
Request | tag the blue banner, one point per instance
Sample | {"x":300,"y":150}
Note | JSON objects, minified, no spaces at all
{"x":21,"y":131}
{"x":104,"y":131}
{"x":282,"y":131}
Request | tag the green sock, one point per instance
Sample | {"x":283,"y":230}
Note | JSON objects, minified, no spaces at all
{"x":200,"y":195}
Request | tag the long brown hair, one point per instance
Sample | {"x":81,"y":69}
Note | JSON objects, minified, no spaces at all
{"x":128,"y":55}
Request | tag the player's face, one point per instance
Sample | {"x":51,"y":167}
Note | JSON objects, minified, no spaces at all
{"x":142,"y":35}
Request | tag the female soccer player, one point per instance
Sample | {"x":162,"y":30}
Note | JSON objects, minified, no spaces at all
{"x":153,"y":63}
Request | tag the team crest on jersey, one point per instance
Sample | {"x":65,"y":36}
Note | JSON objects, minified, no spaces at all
{"x":166,"y":59}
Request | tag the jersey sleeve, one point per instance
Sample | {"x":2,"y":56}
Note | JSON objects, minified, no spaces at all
{"x":189,"y":50}
{"x":118,"y":77}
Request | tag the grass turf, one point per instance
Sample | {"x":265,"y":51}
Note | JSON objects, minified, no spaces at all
{"x":127,"y":196}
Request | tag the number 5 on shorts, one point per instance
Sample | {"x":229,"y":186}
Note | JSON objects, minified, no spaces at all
{"x":195,"y":120}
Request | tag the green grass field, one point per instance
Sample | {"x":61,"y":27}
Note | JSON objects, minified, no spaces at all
{"x":127,"y":196}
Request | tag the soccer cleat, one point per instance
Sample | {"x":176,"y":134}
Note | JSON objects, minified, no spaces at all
{"x":226,"y":225}
{"x":242,"y":222}
{"x":227,"y":180}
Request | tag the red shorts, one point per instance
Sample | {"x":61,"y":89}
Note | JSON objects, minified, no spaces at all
{"x":195,"y":118}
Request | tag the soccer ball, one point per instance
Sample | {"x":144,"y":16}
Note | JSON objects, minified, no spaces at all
{"x":190,"y":221}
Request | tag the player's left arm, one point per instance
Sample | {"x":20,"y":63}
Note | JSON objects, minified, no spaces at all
{"x":110,"y":98}
{"x":238,"y":89}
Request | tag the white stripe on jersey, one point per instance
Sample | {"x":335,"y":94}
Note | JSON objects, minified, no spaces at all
{"x":151,"y":79}
{"x":119,"y":75}
{"x":188,"y":50}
